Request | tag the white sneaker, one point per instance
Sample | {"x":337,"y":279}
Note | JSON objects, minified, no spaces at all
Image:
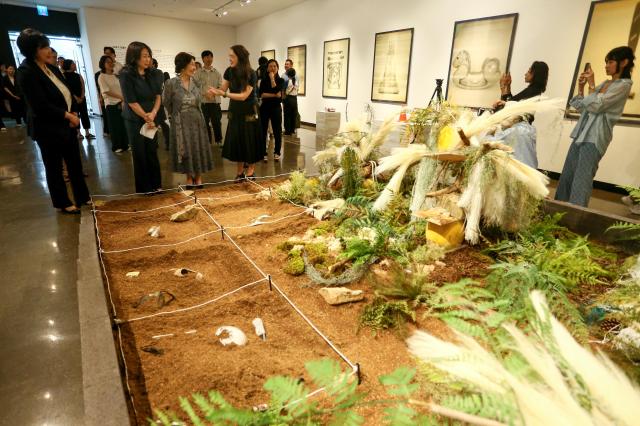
{"x":118,"y":151}
{"x":627,"y":200}
{"x":4,"y":129}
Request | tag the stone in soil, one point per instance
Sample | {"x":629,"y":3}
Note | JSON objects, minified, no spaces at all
{"x":340,"y":295}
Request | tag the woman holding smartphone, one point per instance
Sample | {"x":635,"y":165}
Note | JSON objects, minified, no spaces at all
{"x":599,"y":110}
{"x":522,"y":135}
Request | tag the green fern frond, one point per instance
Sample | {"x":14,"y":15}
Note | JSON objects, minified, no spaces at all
{"x":628,"y":231}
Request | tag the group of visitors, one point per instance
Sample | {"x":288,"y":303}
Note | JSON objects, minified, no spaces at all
{"x":600,"y":109}
{"x":11,"y":97}
{"x":134,"y":99}
{"x":135,"y":96}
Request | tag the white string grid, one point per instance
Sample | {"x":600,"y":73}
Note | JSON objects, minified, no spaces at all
{"x":266,"y":278}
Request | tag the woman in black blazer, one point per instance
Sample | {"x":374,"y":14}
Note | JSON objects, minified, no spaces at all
{"x":12,"y":93}
{"x":52,"y":124}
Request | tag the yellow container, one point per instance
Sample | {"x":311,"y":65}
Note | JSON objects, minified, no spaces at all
{"x":448,"y":236}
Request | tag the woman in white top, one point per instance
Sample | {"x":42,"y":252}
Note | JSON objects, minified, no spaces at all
{"x":52,"y":124}
{"x":112,"y":95}
{"x":291,"y":102}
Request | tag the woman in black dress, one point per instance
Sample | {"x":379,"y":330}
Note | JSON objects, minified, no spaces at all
{"x":271,"y":108}
{"x":76,"y":83}
{"x":243,"y":142}
{"x":12,"y":93}
{"x":142,"y":102}
{"x":52,"y":124}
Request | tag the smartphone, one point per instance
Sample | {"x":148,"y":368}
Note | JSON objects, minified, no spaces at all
{"x":587,"y":66}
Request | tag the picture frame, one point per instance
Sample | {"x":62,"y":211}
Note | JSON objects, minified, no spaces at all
{"x":335,"y":68}
{"x":610,"y":23}
{"x":298,"y":54}
{"x":269,"y":54}
{"x":481,"y":50}
{"x":392,"y":53}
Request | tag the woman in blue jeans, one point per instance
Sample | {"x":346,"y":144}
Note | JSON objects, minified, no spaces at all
{"x":142,"y":102}
{"x":599,"y":111}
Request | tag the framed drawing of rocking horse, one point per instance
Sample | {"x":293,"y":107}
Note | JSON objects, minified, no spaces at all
{"x":480,"y":54}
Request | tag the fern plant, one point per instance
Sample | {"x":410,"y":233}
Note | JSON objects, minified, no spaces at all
{"x":382,"y":314}
{"x":626,"y":231}
{"x":412,"y":285}
{"x":288,"y":402}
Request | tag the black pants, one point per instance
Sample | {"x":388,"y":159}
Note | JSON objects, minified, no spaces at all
{"x":290,"y":114}
{"x":105,"y":118}
{"x":272,"y":111}
{"x":17,"y":110}
{"x":212,"y":113}
{"x":53,"y":152}
{"x":166,"y":132}
{"x":146,"y":167}
{"x":84,"y":115}
{"x":118,"y":133}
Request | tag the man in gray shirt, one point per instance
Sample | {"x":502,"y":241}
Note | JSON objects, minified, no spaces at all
{"x":206,"y":77}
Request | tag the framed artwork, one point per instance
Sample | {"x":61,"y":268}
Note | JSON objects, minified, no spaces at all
{"x":480,"y":54}
{"x":391,"y":66}
{"x":269,"y":54}
{"x":611,"y":23}
{"x":298,"y":54}
{"x":335,"y":68}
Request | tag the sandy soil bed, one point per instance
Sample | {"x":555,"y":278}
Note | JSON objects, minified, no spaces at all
{"x":192,"y":358}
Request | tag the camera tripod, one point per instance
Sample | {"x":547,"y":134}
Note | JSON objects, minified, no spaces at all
{"x":437,"y":93}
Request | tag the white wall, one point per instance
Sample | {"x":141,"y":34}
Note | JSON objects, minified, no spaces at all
{"x":548,"y":30}
{"x":166,"y":37}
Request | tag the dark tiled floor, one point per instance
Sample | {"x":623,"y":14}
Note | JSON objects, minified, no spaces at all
{"x":40,"y":370}
{"x":40,"y":367}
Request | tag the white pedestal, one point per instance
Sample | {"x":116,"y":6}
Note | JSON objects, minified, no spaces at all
{"x":327,"y":124}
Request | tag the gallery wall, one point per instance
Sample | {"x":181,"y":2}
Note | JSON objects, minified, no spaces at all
{"x":548,"y":30}
{"x":165,"y":37}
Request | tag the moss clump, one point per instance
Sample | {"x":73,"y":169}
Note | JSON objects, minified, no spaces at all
{"x":286,"y":246}
{"x":316,"y":253}
{"x":294,"y":266}
{"x":427,"y":253}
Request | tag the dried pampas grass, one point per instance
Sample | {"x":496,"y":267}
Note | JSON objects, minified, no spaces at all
{"x":561,"y":365}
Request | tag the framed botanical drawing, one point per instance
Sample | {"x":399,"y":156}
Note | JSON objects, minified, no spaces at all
{"x":391,"y":66}
{"x":269,"y":54}
{"x":298,"y":54}
{"x":610,"y":24}
{"x":335,"y":68}
{"x":480,"y":54}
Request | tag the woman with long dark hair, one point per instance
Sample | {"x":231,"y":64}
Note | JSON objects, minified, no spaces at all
{"x":76,"y":83}
{"x":142,"y":102}
{"x":600,"y":110}
{"x":271,"y":109}
{"x":536,"y":76}
{"x":190,"y":147}
{"x":111,"y":93}
{"x":521,"y":136}
{"x":243,"y":142}
{"x":52,"y":123}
